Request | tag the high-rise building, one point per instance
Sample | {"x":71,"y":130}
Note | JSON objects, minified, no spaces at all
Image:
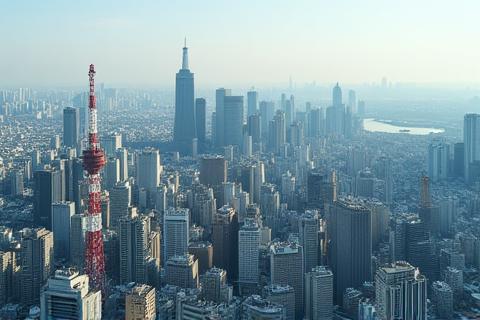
{"x":438,"y":160}
{"x":175,"y":232}
{"x":111,"y":172}
{"x":277,"y":132}
{"x":213,"y":283}
{"x":36,"y":264}
{"x":352,"y":101}
{"x":140,"y":303}
{"x":267,"y":110}
{"x":213,"y":170}
{"x":133,"y":244}
{"x":350,"y":229}
{"x":182,"y":271}
{"x":225,"y":241}
{"x":62,"y":213}
{"x":321,"y":189}
{"x":120,"y":201}
{"x":67,"y":295}
{"x":220,"y":95}
{"x":78,"y":227}
{"x":184,"y":127}
{"x":47,"y":190}
{"x":401,"y":292}
{"x":471,"y":141}
{"x":286,"y":268}
{"x":309,"y":228}
{"x":203,"y":252}
{"x":8,"y":269}
{"x":233,"y":120}
{"x":148,"y":169}
{"x":71,"y":127}
{"x":112,"y":143}
{"x":200,"y":119}
{"x":248,"y":250}
{"x":122,"y":156}
{"x":459,"y":159}
{"x":254,"y":127}
{"x":442,"y":297}
{"x":283,"y":295}
{"x":319,"y":294}
{"x":252,"y":102}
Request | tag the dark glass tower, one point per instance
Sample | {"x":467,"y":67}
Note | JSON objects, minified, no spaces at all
{"x":184,"y":130}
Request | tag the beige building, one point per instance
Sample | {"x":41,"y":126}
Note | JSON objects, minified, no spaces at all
{"x":140,"y":303}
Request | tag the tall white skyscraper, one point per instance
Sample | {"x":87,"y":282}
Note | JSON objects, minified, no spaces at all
{"x":120,"y":200}
{"x":319,"y":294}
{"x":62,"y":213}
{"x":175,"y":232}
{"x":248,"y":252}
{"x":68,"y":296}
{"x":471,"y":140}
{"x":122,"y":156}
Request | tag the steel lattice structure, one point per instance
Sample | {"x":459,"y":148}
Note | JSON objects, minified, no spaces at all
{"x":93,"y":161}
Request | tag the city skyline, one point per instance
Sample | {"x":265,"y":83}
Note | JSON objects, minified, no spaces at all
{"x":135,"y":45}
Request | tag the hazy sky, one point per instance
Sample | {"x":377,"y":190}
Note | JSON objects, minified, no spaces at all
{"x":239,"y":42}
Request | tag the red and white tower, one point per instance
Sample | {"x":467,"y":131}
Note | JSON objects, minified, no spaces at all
{"x":93,"y":161}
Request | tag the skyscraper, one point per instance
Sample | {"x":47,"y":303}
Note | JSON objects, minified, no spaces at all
{"x":225,"y":241}
{"x":71,"y":127}
{"x":200,"y":118}
{"x":401,"y":292}
{"x":133,"y":235}
{"x":184,"y":127}
{"x":213,"y":283}
{"x":36,"y":263}
{"x":148,"y":169}
{"x":62,"y":213}
{"x":471,"y":140}
{"x":67,"y":295}
{"x":248,"y":250}
{"x":350,"y":229}
{"x":47,"y":190}
{"x":175,"y":232}
{"x":182,"y":271}
{"x":252,"y":102}
{"x":8,"y":269}
{"x":78,"y":227}
{"x":233,"y":120}
{"x":438,"y":160}
{"x":120,"y":201}
{"x":220,"y":95}
{"x":319,"y":294}
{"x":286,"y":268}
{"x":309,"y":227}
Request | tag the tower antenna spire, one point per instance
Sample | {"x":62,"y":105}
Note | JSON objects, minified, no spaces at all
{"x":185,"y":42}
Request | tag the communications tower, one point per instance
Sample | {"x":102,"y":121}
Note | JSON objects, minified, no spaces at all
{"x":93,"y":161}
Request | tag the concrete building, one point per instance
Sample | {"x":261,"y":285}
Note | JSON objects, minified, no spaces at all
{"x":286,"y":268}
{"x":182,"y":271}
{"x":442,"y":297}
{"x":214,"y":285}
{"x":203,"y":252}
{"x":175,"y":232}
{"x":248,"y":250}
{"x":62,"y":213}
{"x":120,"y":201}
{"x":36,"y":263}
{"x":67,"y":296}
{"x":309,"y":227}
{"x":225,"y":241}
{"x":319,"y":294}
{"x":8,"y":270}
{"x":401,"y":292}
{"x":283,"y":295}
{"x":140,"y":303}
{"x":255,"y":307}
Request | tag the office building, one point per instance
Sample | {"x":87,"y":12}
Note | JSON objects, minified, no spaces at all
{"x":252,"y":102}
{"x":214,"y":282}
{"x":442,"y":297}
{"x":67,"y":295}
{"x":133,"y":234}
{"x":203,"y":252}
{"x":111,"y":173}
{"x":471,"y":143}
{"x":120,"y":202}
{"x":319,"y":294}
{"x":8,"y":270}
{"x":184,"y":126}
{"x":233,"y":120}
{"x":182,"y":271}
{"x":255,"y":307}
{"x":71,"y":127}
{"x":213,"y":170}
{"x":225,"y":241}
{"x":36,"y":263}
{"x":438,"y":160}
{"x":122,"y":157}
{"x":47,"y":190}
{"x":248,"y":250}
{"x":62,"y":213}
{"x":267,"y":110}
{"x":140,"y":303}
{"x":401,"y":292}
{"x":148,"y":169}
{"x":78,"y":227}
{"x":283,"y":295}
{"x":350,"y":228}
{"x":277,"y":132}
{"x":309,"y":227}
{"x":175,"y":232}
{"x":111,"y":143}
{"x":286,"y":268}
{"x":200,"y":119}
{"x":321,"y":189}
